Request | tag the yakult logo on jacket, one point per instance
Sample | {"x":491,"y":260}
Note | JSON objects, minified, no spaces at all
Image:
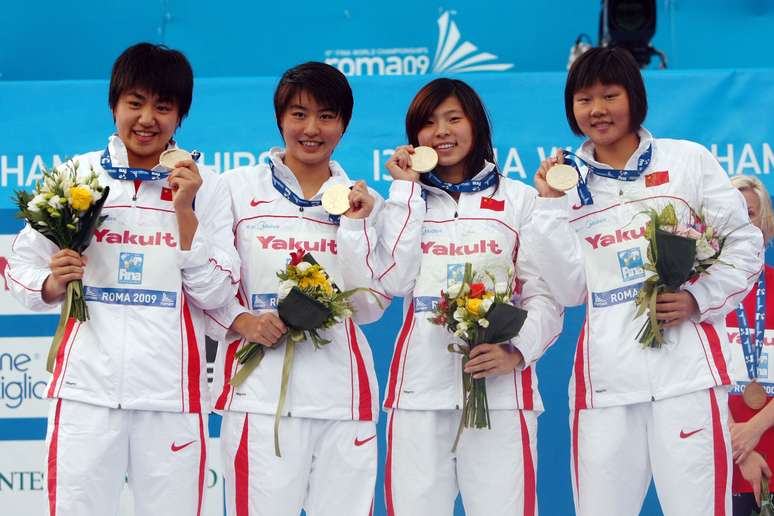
{"x":451,"y":249}
{"x":127,"y":237}
{"x":323,"y":245}
{"x":604,"y":240}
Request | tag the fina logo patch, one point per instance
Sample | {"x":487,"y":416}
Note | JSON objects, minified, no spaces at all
{"x":630,"y":262}
{"x":130,"y":268}
{"x":454,"y":274}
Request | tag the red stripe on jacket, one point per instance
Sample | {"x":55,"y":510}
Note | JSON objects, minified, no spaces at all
{"x":60,"y":358}
{"x":194,"y":363}
{"x":228,"y":367}
{"x":396,"y":357}
{"x":717,"y":352}
{"x":526,"y":388}
{"x":580,"y":383}
{"x":364,"y":386}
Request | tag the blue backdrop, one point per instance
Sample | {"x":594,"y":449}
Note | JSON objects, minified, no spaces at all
{"x":232,"y":122}
{"x":53,"y":104}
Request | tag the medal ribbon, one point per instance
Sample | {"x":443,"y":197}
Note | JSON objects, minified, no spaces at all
{"x":752,"y":355}
{"x":465,"y":186}
{"x":611,"y":173}
{"x":291,"y":196}
{"x":130,"y":173}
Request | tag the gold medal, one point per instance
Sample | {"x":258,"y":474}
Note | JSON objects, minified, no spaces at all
{"x":171,"y":157}
{"x":754,"y":396}
{"x":562,"y":177}
{"x":424,"y":159}
{"x":335,"y":200}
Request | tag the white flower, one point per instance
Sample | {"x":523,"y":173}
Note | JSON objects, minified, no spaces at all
{"x":463,"y":326}
{"x":454,"y":290}
{"x":704,"y":250}
{"x":483,"y":323}
{"x":303,"y":267}
{"x":459,"y":333}
{"x":36,"y":202}
{"x":486,"y":304}
{"x":459,"y":314}
{"x":284,"y":289}
{"x":56,"y":202}
{"x":82,"y":169}
{"x":501,"y":287}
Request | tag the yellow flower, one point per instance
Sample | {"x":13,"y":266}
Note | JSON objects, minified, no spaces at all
{"x":316,"y":279}
{"x":80,"y":198}
{"x":474,"y":306}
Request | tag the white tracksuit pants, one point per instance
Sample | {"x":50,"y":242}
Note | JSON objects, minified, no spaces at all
{"x":328,"y":467}
{"x":93,"y":449}
{"x":682,"y":442}
{"x":495,"y":470}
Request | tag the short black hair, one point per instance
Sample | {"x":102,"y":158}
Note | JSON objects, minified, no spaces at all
{"x":607,"y":65}
{"x":326,"y":84}
{"x":432,"y":95}
{"x":156,"y":68}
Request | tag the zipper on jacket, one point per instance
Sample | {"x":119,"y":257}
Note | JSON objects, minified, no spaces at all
{"x":137,"y":184}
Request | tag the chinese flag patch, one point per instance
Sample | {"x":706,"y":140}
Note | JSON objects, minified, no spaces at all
{"x":487,"y":203}
{"x":166,"y":194}
{"x":657,"y":178}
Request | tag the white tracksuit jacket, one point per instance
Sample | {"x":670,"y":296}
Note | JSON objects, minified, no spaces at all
{"x":143,"y":347}
{"x":424,"y":246}
{"x":337,"y":381}
{"x":611,"y":367}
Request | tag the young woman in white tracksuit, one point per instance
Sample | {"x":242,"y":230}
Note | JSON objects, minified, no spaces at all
{"x":328,"y":427}
{"x":129,"y":387}
{"x":637,"y":412}
{"x":464,"y":211}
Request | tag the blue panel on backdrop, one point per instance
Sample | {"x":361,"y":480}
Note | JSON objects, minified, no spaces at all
{"x":232,"y":121}
{"x":402,"y":37}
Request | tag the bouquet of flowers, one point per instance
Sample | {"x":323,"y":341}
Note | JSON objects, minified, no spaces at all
{"x":477,"y":315}
{"x":307,"y":302}
{"x":65,"y":207}
{"x":676,"y":253}
{"x":767,"y":501}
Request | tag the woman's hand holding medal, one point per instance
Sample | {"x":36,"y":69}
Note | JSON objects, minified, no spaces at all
{"x":361,"y":202}
{"x":407,"y":162}
{"x":354,"y":202}
{"x":553,"y":177}
{"x":184,"y":179}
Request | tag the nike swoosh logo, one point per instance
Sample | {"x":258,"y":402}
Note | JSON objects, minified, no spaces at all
{"x":176,"y":448}
{"x":255,"y":203}
{"x":684,"y":435}
{"x":358,"y":442}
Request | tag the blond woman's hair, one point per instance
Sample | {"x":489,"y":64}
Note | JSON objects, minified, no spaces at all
{"x":753,"y":184}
